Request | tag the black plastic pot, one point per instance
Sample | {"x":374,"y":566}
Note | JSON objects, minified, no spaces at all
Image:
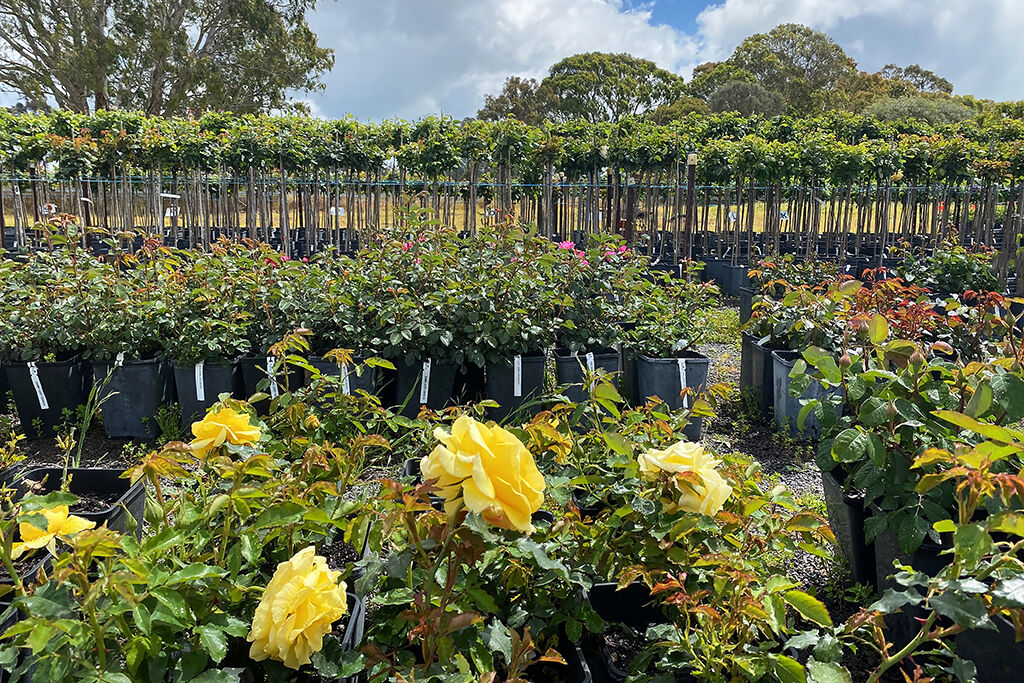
{"x":410,"y":389}
{"x":734,"y":278}
{"x":105,"y":483}
{"x":575,"y":669}
{"x":217,"y":378}
{"x":358,"y":379}
{"x":787,"y":407}
{"x":44,"y":391}
{"x":846,"y":517}
{"x":5,"y":388}
{"x":667,"y":377}
{"x":502,"y":385}
{"x":255,"y":369}
{"x":632,"y":606}
{"x":746,"y":303}
{"x":756,"y":372}
{"x":996,"y":654}
{"x":714,"y":270}
{"x":570,"y":369}
{"x":132,"y":395}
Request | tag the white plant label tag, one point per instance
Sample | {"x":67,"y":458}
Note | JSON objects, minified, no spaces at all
{"x":425,"y":382}
{"x":200,"y":381}
{"x":682,"y":379}
{"x":119,"y":360}
{"x":680,"y":269}
{"x":346,"y":388}
{"x":33,"y":373}
{"x":274,"y":391}
{"x":517,"y":376}
{"x":590,"y":362}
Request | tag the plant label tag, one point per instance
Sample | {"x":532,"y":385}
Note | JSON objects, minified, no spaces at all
{"x":590,"y":362}
{"x":200,"y":381}
{"x":517,"y":376}
{"x":346,"y":388}
{"x":274,"y":391}
{"x":119,"y":360}
{"x":680,"y":269}
{"x":425,"y":382}
{"x":682,"y":378}
{"x":33,"y":373}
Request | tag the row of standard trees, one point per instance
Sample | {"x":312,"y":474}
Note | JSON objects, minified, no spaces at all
{"x":840,"y":180}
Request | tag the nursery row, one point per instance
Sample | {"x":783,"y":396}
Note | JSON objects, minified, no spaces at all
{"x":311,"y":533}
{"x":590,"y":543}
{"x":453,"y":318}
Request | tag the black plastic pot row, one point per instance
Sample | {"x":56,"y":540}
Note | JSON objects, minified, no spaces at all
{"x":47,"y":395}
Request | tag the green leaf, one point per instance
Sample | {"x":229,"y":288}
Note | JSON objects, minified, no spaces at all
{"x":989,"y":431}
{"x":1009,"y":592}
{"x":809,"y":607}
{"x":219,"y":676}
{"x":283,"y":514}
{"x":850,"y":445}
{"x":498,"y":639}
{"x":826,"y":672}
{"x":972,"y":543}
{"x":893,"y":600}
{"x":617,"y":443}
{"x":965,"y":610}
{"x":980,"y":401}
{"x":1008,"y":395}
{"x":878,"y":329}
{"x":214,"y":640}
{"x":194,"y":572}
{"x":788,"y":670}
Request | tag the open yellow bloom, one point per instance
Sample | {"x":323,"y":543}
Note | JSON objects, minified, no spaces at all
{"x":59,"y":524}
{"x":489,"y":469}
{"x":706,"y":497}
{"x":299,"y":606}
{"x":221,"y":426}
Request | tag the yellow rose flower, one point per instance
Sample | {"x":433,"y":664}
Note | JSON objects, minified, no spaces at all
{"x":59,"y":524}
{"x":706,"y":497}
{"x":299,"y":607}
{"x":489,"y":469}
{"x":221,"y":426}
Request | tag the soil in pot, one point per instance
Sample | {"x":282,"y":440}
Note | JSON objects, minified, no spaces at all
{"x":104,"y":497}
{"x":627,"y":614}
{"x":575,"y":669}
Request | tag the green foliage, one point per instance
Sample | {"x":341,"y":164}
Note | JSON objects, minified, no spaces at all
{"x":933,"y":110}
{"x":161,"y":57}
{"x":801,"y":64}
{"x":746,"y":99}
{"x":597,"y":86}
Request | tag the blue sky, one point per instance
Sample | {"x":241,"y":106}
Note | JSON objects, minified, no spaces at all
{"x":410,"y":58}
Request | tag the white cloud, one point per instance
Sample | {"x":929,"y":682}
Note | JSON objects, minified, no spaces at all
{"x":410,"y":58}
{"x":973,"y":43}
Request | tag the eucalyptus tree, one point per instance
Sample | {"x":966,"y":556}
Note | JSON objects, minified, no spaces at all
{"x":160,"y":56}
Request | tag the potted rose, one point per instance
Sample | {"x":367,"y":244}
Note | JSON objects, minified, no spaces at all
{"x":44,"y":312}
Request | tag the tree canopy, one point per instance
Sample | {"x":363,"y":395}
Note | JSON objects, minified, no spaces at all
{"x":799,"y":63}
{"x":160,"y":56}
